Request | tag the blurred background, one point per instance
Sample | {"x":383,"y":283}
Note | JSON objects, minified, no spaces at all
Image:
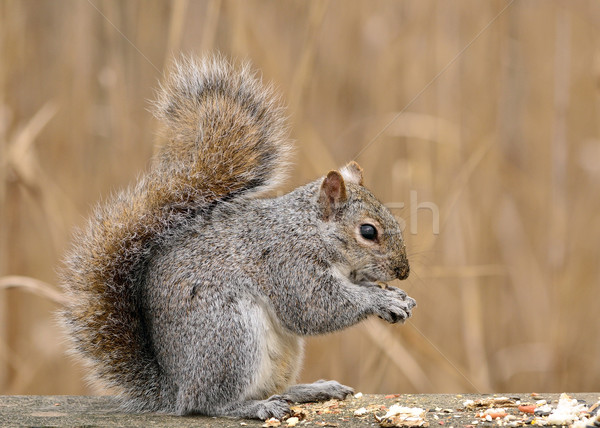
{"x":476,"y":122}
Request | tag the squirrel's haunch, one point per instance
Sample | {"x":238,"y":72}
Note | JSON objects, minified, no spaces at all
{"x":225,"y":135}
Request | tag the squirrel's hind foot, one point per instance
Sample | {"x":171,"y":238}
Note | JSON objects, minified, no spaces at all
{"x":276,"y":406}
{"x":321,"y":390}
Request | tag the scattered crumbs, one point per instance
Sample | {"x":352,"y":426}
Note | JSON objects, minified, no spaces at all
{"x":567,"y":411}
{"x":326,"y":424}
{"x":399,"y":416}
{"x":272,"y":422}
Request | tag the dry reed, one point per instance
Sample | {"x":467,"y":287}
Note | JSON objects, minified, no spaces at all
{"x":490,"y":118}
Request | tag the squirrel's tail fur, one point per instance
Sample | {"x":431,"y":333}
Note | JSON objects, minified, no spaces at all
{"x":226,"y":137}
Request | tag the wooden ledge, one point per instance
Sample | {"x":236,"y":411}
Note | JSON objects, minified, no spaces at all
{"x":442,"y":410}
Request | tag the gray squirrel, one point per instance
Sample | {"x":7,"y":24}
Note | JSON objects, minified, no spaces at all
{"x":190,"y":292}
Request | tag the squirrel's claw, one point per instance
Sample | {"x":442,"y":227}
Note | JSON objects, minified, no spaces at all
{"x":395,"y":305}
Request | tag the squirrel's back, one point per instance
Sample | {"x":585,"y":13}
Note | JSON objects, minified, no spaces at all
{"x":225,"y":137}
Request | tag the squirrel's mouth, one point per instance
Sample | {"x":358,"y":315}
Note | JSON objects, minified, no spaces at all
{"x":362,"y":278}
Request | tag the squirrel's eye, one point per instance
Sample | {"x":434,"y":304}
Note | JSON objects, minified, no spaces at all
{"x":368,"y":231}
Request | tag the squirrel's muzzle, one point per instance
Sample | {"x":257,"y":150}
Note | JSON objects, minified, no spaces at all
{"x":402,"y":271}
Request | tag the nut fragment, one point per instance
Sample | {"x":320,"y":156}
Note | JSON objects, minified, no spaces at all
{"x":272,"y":422}
{"x":490,"y":402}
{"x":527,"y":409}
{"x":298,"y":412}
{"x":398,"y":416}
{"x":360,"y":412}
{"x":492,"y":413}
{"x":292,"y":422}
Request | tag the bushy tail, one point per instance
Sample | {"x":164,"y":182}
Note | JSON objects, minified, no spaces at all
{"x":225,"y":138}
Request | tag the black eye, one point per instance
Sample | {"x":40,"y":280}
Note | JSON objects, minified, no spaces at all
{"x":368,"y":231}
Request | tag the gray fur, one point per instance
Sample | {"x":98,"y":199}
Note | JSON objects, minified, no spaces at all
{"x":211,"y":286}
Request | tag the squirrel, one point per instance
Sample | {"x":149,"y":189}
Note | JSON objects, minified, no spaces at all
{"x":191,"y":292}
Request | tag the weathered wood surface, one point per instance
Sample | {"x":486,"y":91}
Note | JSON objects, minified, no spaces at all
{"x":442,"y":410}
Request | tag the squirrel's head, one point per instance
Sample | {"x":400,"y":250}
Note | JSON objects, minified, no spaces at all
{"x":372,"y":245}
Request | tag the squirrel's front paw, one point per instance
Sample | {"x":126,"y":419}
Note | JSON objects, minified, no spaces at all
{"x":394,"y":305}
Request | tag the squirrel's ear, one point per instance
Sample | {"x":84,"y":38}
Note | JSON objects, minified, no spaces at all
{"x":352,"y":173}
{"x":332,"y":194}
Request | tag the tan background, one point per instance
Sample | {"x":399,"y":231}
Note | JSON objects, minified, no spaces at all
{"x":485,"y":110}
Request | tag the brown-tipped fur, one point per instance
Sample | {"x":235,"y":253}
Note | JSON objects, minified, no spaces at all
{"x":225,"y":138}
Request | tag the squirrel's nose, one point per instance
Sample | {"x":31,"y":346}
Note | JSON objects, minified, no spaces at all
{"x":402,"y":271}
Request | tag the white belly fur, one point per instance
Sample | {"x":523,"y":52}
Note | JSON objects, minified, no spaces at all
{"x":280,"y":353}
